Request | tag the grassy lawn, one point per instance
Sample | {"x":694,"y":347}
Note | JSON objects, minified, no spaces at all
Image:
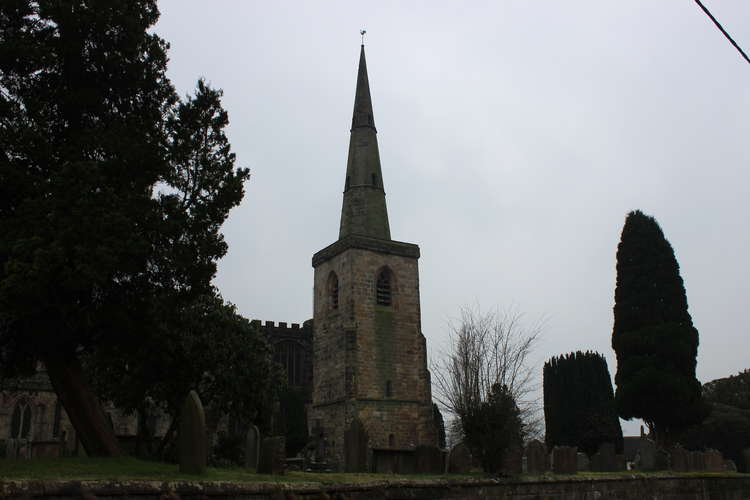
{"x":124,"y":468}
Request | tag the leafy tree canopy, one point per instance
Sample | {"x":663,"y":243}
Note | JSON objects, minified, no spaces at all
{"x":112,"y":191}
{"x":653,"y":336}
{"x":579,"y":406}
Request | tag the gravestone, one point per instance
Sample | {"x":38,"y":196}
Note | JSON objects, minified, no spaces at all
{"x":512,"y":461}
{"x":745,"y":460}
{"x":252,"y":447}
{"x":714,"y":461}
{"x":662,"y":459}
{"x":620,"y":463}
{"x":679,"y":459}
{"x":604,"y":459}
{"x":647,"y":453}
{"x":564,"y":459}
{"x":355,"y":447}
{"x":582,"y":461}
{"x":429,"y":460}
{"x":272,"y":455}
{"x":730,"y":466}
{"x":696,"y":461}
{"x":536,"y":457}
{"x":192,"y":436}
{"x":460,"y":459}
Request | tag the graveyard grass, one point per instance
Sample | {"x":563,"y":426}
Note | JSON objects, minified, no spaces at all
{"x":129,"y":468}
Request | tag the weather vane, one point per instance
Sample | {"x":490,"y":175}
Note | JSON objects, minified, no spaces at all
{"x":362,"y":32}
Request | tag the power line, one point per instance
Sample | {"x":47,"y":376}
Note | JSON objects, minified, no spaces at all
{"x":722,"y":30}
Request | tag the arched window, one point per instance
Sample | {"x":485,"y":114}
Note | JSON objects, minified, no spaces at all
{"x":20,"y":423}
{"x":383,"y":290}
{"x":333,"y":290}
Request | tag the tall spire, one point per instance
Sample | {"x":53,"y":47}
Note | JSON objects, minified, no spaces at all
{"x":364,"y":211}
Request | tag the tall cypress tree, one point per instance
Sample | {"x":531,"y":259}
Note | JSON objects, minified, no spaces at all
{"x":579,"y":405}
{"x":653,"y":335}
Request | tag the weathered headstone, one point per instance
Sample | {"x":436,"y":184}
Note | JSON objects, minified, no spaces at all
{"x":714,"y":461}
{"x":582,"y":462}
{"x":604,"y":459}
{"x":564,"y":459}
{"x":647,"y":452}
{"x":272,"y":455}
{"x":679,"y":459}
{"x":429,"y":460}
{"x":355,"y":447}
{"x":192,"y":436}
{"x":662,"y":459}
{"x":252,"y":447}
{"x":536,"y":457}
{"x":696,"y":461}
{"x":460,"y":459}
{"x":512,"y":458}
{"x":730,"y":466}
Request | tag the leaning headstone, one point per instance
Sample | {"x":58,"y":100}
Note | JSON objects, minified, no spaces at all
{"x":647,"y":451}
{"x":582,"y":462}
{"x":536,"y":457}
{"x":428,"y":460}
{"x":272,"y":455}
{"x":564,"y":459}
{"x":460,"y":459}
{"x":679,"y":459}
{"x":252,"y":447}
{"x":512,"y":461}
{"x":604,"y":459}
{"x":192,"y":436}
{"x":355,"y":447}
{"x":714,"y":461}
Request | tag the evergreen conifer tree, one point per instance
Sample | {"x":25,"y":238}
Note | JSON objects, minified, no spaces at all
{"x":579,"y":405}
{"x":653,"y":335}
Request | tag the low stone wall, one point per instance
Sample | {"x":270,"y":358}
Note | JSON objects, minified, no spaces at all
{"x":631,"y":487}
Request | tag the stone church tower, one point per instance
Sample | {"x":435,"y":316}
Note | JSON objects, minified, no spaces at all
{"x":372,"y":401}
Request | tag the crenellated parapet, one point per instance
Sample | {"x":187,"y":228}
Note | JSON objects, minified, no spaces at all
{"x":292,"y":345}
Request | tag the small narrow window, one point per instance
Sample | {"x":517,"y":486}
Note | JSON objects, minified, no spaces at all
{"x":388,"y":389}
{"x":383,"y":291}
{"x":333,"y":290}
{"x":374,"y":180}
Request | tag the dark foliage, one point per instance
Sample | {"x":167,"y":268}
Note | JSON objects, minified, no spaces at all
{"x":293,"y":420}
{"x":727,"y":427}
{"x":579,"y":403}
{"x":439,"y":424}
{"x":112,"y":192}
{"x":653,"y":336}
{"x":493,"y":427}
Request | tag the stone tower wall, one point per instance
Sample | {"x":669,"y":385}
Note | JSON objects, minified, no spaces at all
{"x":362,"y":348}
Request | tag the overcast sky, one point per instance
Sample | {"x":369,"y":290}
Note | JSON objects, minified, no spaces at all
{"x":514,"y":138}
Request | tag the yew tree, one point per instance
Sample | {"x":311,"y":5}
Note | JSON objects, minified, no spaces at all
{"x":653,"y":335}
{"x":112,"y":191}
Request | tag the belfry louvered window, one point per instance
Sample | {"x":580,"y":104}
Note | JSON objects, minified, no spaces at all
{"x":383,"y":290}
{"x":333,"y":290}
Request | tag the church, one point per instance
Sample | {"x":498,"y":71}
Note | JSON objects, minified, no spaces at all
{"x":371,"y":400}
{"x":361,"y":362}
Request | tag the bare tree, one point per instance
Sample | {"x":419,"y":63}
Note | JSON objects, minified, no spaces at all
{"x":487,"y":349}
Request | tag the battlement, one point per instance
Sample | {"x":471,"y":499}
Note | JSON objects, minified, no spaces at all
{"x":272,"y":330}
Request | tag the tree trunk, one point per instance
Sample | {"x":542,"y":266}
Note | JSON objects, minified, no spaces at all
{"x":82,"y":406}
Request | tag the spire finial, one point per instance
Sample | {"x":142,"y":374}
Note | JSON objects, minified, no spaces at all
{"x":363,"y":32}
